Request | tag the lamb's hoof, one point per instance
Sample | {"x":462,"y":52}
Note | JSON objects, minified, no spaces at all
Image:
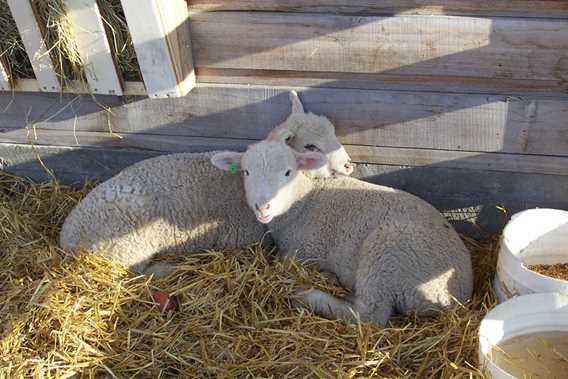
{"x":301,"y":297}
{"x":160,"y":269}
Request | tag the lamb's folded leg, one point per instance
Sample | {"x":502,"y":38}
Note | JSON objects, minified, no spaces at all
{"x":329,"y":306}
{"x":159,"y":269}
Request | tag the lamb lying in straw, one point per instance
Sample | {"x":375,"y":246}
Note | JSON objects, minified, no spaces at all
{"x":394,"y":251}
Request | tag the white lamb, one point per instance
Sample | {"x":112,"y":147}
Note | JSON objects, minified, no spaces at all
{"x":181,"y":203}
{"x":395,"y":252}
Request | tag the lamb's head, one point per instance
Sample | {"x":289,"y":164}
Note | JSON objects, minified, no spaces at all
{"x":271,"y":172}
{"x":305,"y":132}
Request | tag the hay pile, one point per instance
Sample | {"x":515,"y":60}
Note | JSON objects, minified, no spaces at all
{"x":62,"y":314}
{"x":58,"y":34}
{"x":120,"y":40}
{"x":12,"y":52}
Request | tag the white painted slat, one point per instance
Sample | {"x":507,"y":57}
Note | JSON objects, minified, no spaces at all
{"x":30,"y":32}
{"x":94,"y":48}
{"x":160,"y":33}
{"x":4,"y":77}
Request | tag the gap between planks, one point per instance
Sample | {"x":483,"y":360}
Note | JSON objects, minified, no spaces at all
{"x":503,"y":8}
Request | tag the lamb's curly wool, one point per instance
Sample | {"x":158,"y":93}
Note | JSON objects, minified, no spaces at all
{"x":396,"y":252}
{"x":170,"y":203}
{"x":180,"y":203}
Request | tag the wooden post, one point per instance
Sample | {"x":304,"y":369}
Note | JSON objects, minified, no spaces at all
{"x":5,"y":80}
{"x":94,"y":48}
{"x":160,"y":32}
{"x":36,"y":49}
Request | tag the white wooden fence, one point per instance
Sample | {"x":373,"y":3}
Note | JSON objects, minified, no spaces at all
{"x":158,"y":29}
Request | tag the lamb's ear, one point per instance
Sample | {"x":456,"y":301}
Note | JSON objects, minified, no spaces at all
{"x":297,"y":106}
{"x":227,"y":160}
{"x":310,"y":160}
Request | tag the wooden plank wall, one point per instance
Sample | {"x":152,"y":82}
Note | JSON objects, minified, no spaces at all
{"x":396,"y":128}
{"x":476,"y":90}
{"x":413,"y":84}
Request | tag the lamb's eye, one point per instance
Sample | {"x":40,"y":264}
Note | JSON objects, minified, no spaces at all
{"x":246,"y":173}
{"x":288,"y":172}
{"x":311,"y":147}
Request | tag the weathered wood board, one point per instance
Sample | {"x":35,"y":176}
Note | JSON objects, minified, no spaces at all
{"x":149,"y":142}
{"x":348,"y":80}
{"x":493,"y":48}
{"x":69,"y":165}
{"x":468,"y":123}
{"x":537,"y":164}
{"x":519,"y":8}
{"x":550,"y":165}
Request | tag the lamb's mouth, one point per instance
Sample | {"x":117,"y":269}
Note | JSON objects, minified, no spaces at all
{"x":265,"y":219}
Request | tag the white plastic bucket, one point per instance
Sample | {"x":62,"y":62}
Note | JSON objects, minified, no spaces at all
{"x":535,"y":236}
{"x":522,"y":315}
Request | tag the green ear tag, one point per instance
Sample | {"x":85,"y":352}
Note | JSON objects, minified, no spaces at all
{"x":233,"y":167}
{"x":286,"y":136}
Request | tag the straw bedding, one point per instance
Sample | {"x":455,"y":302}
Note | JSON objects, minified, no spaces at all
{"x":63,"y":315}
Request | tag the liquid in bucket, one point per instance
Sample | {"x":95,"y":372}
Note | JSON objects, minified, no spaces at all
{"x":538,"y":355}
